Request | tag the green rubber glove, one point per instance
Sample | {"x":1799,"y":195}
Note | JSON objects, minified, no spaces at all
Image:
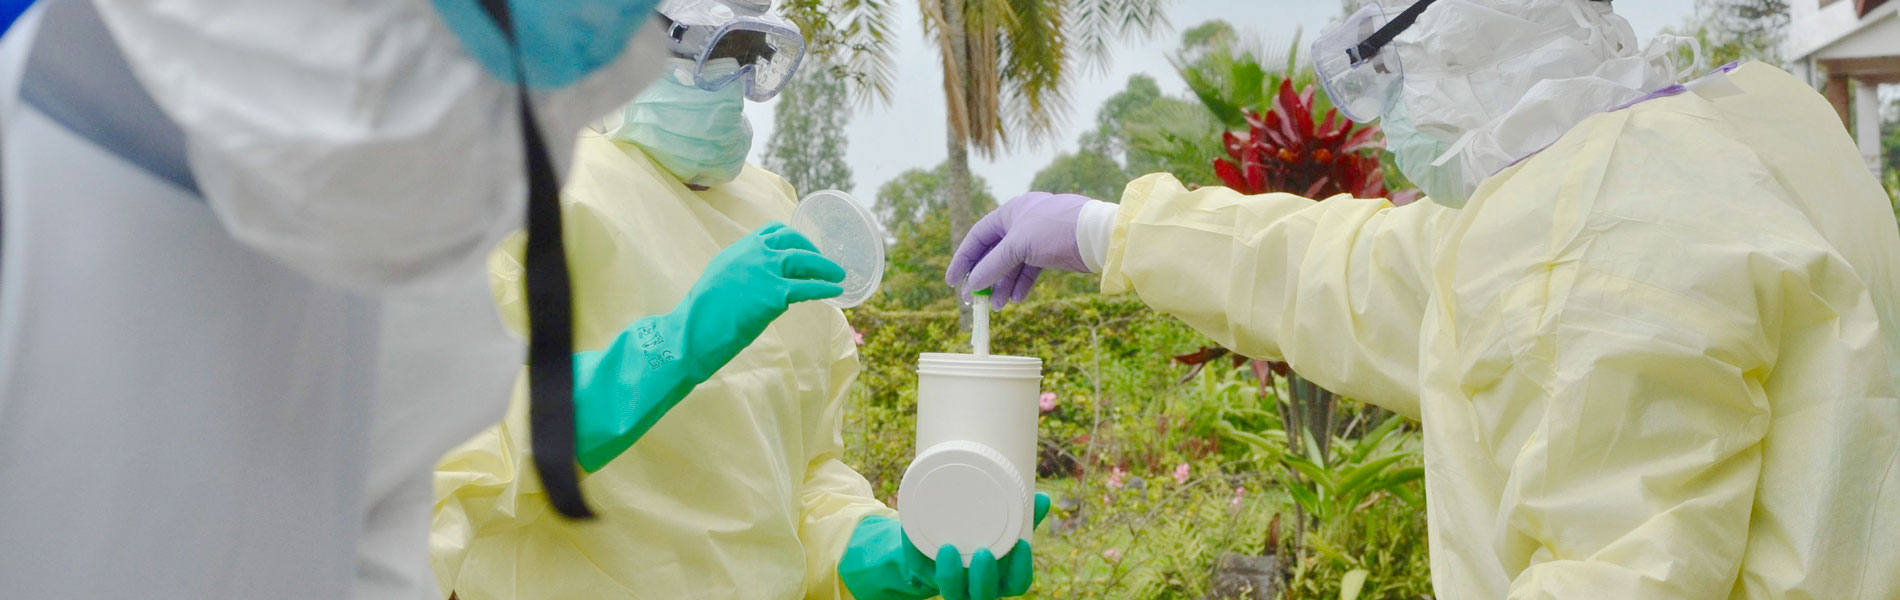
{"x":881,"y":564}
{"x":620,"y":392}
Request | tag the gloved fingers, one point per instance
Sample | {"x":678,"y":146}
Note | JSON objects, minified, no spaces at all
{"x":781,"y":237}
{"x":801,"y":291}
{"x":985,"y":576}
{"x":952,"y":579}
{"x":1042,"y":508}
{"x":1025,"y":281}
{"x":1003,"y":288}
{"x":976,"y":247}
{"x":805,"y":264}
{"x":991,"y":272}
{"x":766,"y":230}
{"x":1019,"y":569}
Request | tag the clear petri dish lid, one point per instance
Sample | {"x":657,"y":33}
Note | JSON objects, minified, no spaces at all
{"x":847,"y":233}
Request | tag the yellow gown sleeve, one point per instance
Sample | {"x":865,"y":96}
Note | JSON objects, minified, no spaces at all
{"x":1337,"y":288}
{"x":834,"y":496}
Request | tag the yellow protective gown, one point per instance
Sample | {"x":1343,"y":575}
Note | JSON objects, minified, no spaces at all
{"x":738,"y":493}
{"x":1657,"y":360}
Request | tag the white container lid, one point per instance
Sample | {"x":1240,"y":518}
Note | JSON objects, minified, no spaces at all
{"x":970,"y":365}
{"x":848,"y":234}
{"x":964,"y":494}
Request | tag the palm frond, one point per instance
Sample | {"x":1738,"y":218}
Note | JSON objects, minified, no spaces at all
{"x":1096,"y":25}
{"x":985,"y":22}
{"x":938,"y":28}
{"x":1035,"y":71}
{"x":866,"y":38}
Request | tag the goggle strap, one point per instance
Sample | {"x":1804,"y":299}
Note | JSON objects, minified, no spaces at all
{"x":1369,"y":49}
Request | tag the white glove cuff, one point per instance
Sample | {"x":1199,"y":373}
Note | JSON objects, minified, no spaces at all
{"x":1093,"y":230}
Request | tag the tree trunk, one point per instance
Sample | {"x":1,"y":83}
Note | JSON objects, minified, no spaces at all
{"x":957,"y":181}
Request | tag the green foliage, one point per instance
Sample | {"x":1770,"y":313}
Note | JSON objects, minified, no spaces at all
{"x":1890,"y":140}
{"x":1124,"y":425}
{"x":1386,"y":540}
{"x":1119,"y":408}
{"x":1123,"y":110}
{"x":1088,"y":173}
{"x":859,"y":34}
{"x":1100,"y":359}
{"x":808,"y":141}
{"x":914,"y":208}
{"x":1176,"y":136}
{"x":1736,"y":30}
{"x":915,"y":195}
{"x":1369,"y":537}
{"x":1355,"y":472}
{"x":1229,"y":72}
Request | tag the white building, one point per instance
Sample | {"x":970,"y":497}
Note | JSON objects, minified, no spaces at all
{"x":1843,"y":45}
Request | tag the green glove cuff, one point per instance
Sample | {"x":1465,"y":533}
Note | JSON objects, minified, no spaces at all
{"x":621,"y":392}
{"x":879,"y":564}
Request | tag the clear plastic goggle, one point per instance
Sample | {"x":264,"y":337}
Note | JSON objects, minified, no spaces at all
{"x":1360,"y":73}
{"x":767,"y":48}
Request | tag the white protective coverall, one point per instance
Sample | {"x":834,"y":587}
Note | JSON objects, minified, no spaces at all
{"x":243,"y":393}
{"x":738,"y":492}
{"x":1659,"y":359}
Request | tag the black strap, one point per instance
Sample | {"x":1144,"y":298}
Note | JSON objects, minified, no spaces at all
{"x":550,"y":307}
{"x":1370,"y":48}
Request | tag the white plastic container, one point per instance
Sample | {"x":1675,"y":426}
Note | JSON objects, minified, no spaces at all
{"x":972,"y":484}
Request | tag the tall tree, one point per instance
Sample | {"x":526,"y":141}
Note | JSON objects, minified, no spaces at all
{"x":1008,"y":66}
{"x":808,"y":142}
{"x":1734,"y":30}
{"x":1087,"y":172}
{"x":914,"y":208}
{"x":1109,"y":156}
{"x":1110,"y":137}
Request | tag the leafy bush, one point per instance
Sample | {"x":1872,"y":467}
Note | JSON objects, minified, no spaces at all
{"x":1156,"y":470}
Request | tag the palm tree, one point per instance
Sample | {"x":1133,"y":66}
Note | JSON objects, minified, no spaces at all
{"x":1008,"y":65}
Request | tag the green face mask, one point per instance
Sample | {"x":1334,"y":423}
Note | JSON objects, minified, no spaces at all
{"x":1414,"y":152}
{"x":700,"y":137}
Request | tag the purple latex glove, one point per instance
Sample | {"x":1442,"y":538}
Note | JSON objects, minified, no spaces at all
{"x":1010,"y":247}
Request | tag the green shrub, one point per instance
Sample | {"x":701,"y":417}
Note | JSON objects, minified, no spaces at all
{"x":1126,"y":419}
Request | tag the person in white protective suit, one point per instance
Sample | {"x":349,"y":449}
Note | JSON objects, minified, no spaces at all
{"x":1652,"y":331}
{"x":228,"y":372}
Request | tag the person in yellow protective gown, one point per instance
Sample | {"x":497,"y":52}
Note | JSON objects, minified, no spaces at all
{"x":708,"y":398}
{"x":739,"y":488}
{"x":1657,"y":357}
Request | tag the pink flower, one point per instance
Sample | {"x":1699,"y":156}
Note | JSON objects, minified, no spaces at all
{"x":1112,"y":555}
{"x":1239,"y":493}
{"x":1115,"y":478}
{"x":1048,"y":402}
{"x":1181,"y":473}
{"x":857,"y":336}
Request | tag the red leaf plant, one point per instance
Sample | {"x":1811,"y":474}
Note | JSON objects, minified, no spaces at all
{"x":1287,"y":150}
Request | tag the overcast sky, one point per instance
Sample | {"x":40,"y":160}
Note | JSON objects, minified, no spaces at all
{"x":889,"y":140}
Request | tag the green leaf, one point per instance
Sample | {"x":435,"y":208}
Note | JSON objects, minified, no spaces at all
{"x":1403,"y":476}
{"x":1317,"y":474}
{"x":1306,"y":498}
{"x":1356,"y":481}
{"x":1352,"y":583}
